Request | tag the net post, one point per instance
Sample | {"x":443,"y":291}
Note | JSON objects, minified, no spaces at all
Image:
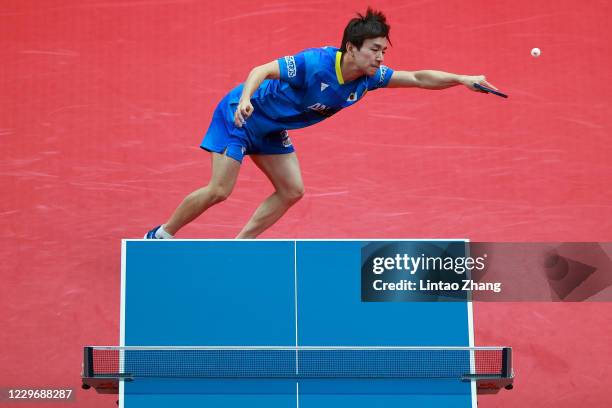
{"x":506,"y":362}
{"x":88,"y":364}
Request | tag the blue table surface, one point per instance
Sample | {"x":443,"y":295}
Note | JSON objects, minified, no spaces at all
{"x":276,"y":293}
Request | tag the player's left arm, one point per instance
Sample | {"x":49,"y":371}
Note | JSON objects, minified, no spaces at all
{"x":430,"y":79}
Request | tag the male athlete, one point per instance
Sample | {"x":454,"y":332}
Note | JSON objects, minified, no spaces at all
{"x":290,"y":93}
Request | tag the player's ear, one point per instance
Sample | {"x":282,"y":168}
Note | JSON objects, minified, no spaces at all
{"x":350,"y":48}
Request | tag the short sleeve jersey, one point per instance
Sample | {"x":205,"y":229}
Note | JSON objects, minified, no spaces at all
{"x":310,"y":89}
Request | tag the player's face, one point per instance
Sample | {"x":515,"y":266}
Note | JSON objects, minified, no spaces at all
{"x":371,"y":55}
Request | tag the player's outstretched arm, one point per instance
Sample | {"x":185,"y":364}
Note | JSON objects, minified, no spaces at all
{"x":257,"y":75}
{"x":429,"y":79}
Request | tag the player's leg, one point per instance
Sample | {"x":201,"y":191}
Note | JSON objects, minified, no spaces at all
{"x":228,"y":145}
{"x":224,"y":174}
{"x":284,"y":172}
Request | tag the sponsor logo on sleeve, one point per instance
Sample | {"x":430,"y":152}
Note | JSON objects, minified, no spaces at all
{"x":291,"y":68}
{"x":383,"y":73}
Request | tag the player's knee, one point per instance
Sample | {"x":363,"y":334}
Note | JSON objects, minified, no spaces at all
{"x":293,"y":194}
{"x":219,"y":193}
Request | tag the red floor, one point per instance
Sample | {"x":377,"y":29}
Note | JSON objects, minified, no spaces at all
{"x":103,"y":108}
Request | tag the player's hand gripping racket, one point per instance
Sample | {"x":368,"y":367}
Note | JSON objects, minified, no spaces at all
{"x":489,"y":90}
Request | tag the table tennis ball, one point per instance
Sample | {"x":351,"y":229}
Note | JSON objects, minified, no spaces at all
{"x":535,"y":52}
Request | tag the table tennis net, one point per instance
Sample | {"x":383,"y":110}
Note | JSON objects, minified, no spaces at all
{"x":300,"y":362}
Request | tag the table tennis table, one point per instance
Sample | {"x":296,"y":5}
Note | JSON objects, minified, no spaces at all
{"x":275,"y":293}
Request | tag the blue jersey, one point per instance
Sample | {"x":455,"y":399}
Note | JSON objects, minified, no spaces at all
{"x":310,"y":89}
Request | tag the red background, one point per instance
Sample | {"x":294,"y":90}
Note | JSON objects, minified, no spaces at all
{"x":103,"y":105}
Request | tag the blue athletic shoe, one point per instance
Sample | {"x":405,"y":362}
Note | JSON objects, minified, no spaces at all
{"x":151,"y":234}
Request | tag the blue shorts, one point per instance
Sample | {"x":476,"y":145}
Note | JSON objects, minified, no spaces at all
{"x":223,"y":136}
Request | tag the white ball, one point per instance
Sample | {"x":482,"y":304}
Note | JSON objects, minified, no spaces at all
{"x":535,"y":52}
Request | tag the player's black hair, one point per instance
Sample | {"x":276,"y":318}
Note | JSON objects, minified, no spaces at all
{"x":372,"y":25}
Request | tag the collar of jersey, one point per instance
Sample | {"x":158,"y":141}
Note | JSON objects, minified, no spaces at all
{"x":339,"y":68}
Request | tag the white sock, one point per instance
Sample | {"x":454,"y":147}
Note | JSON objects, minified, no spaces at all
{"x":161,"y":233}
